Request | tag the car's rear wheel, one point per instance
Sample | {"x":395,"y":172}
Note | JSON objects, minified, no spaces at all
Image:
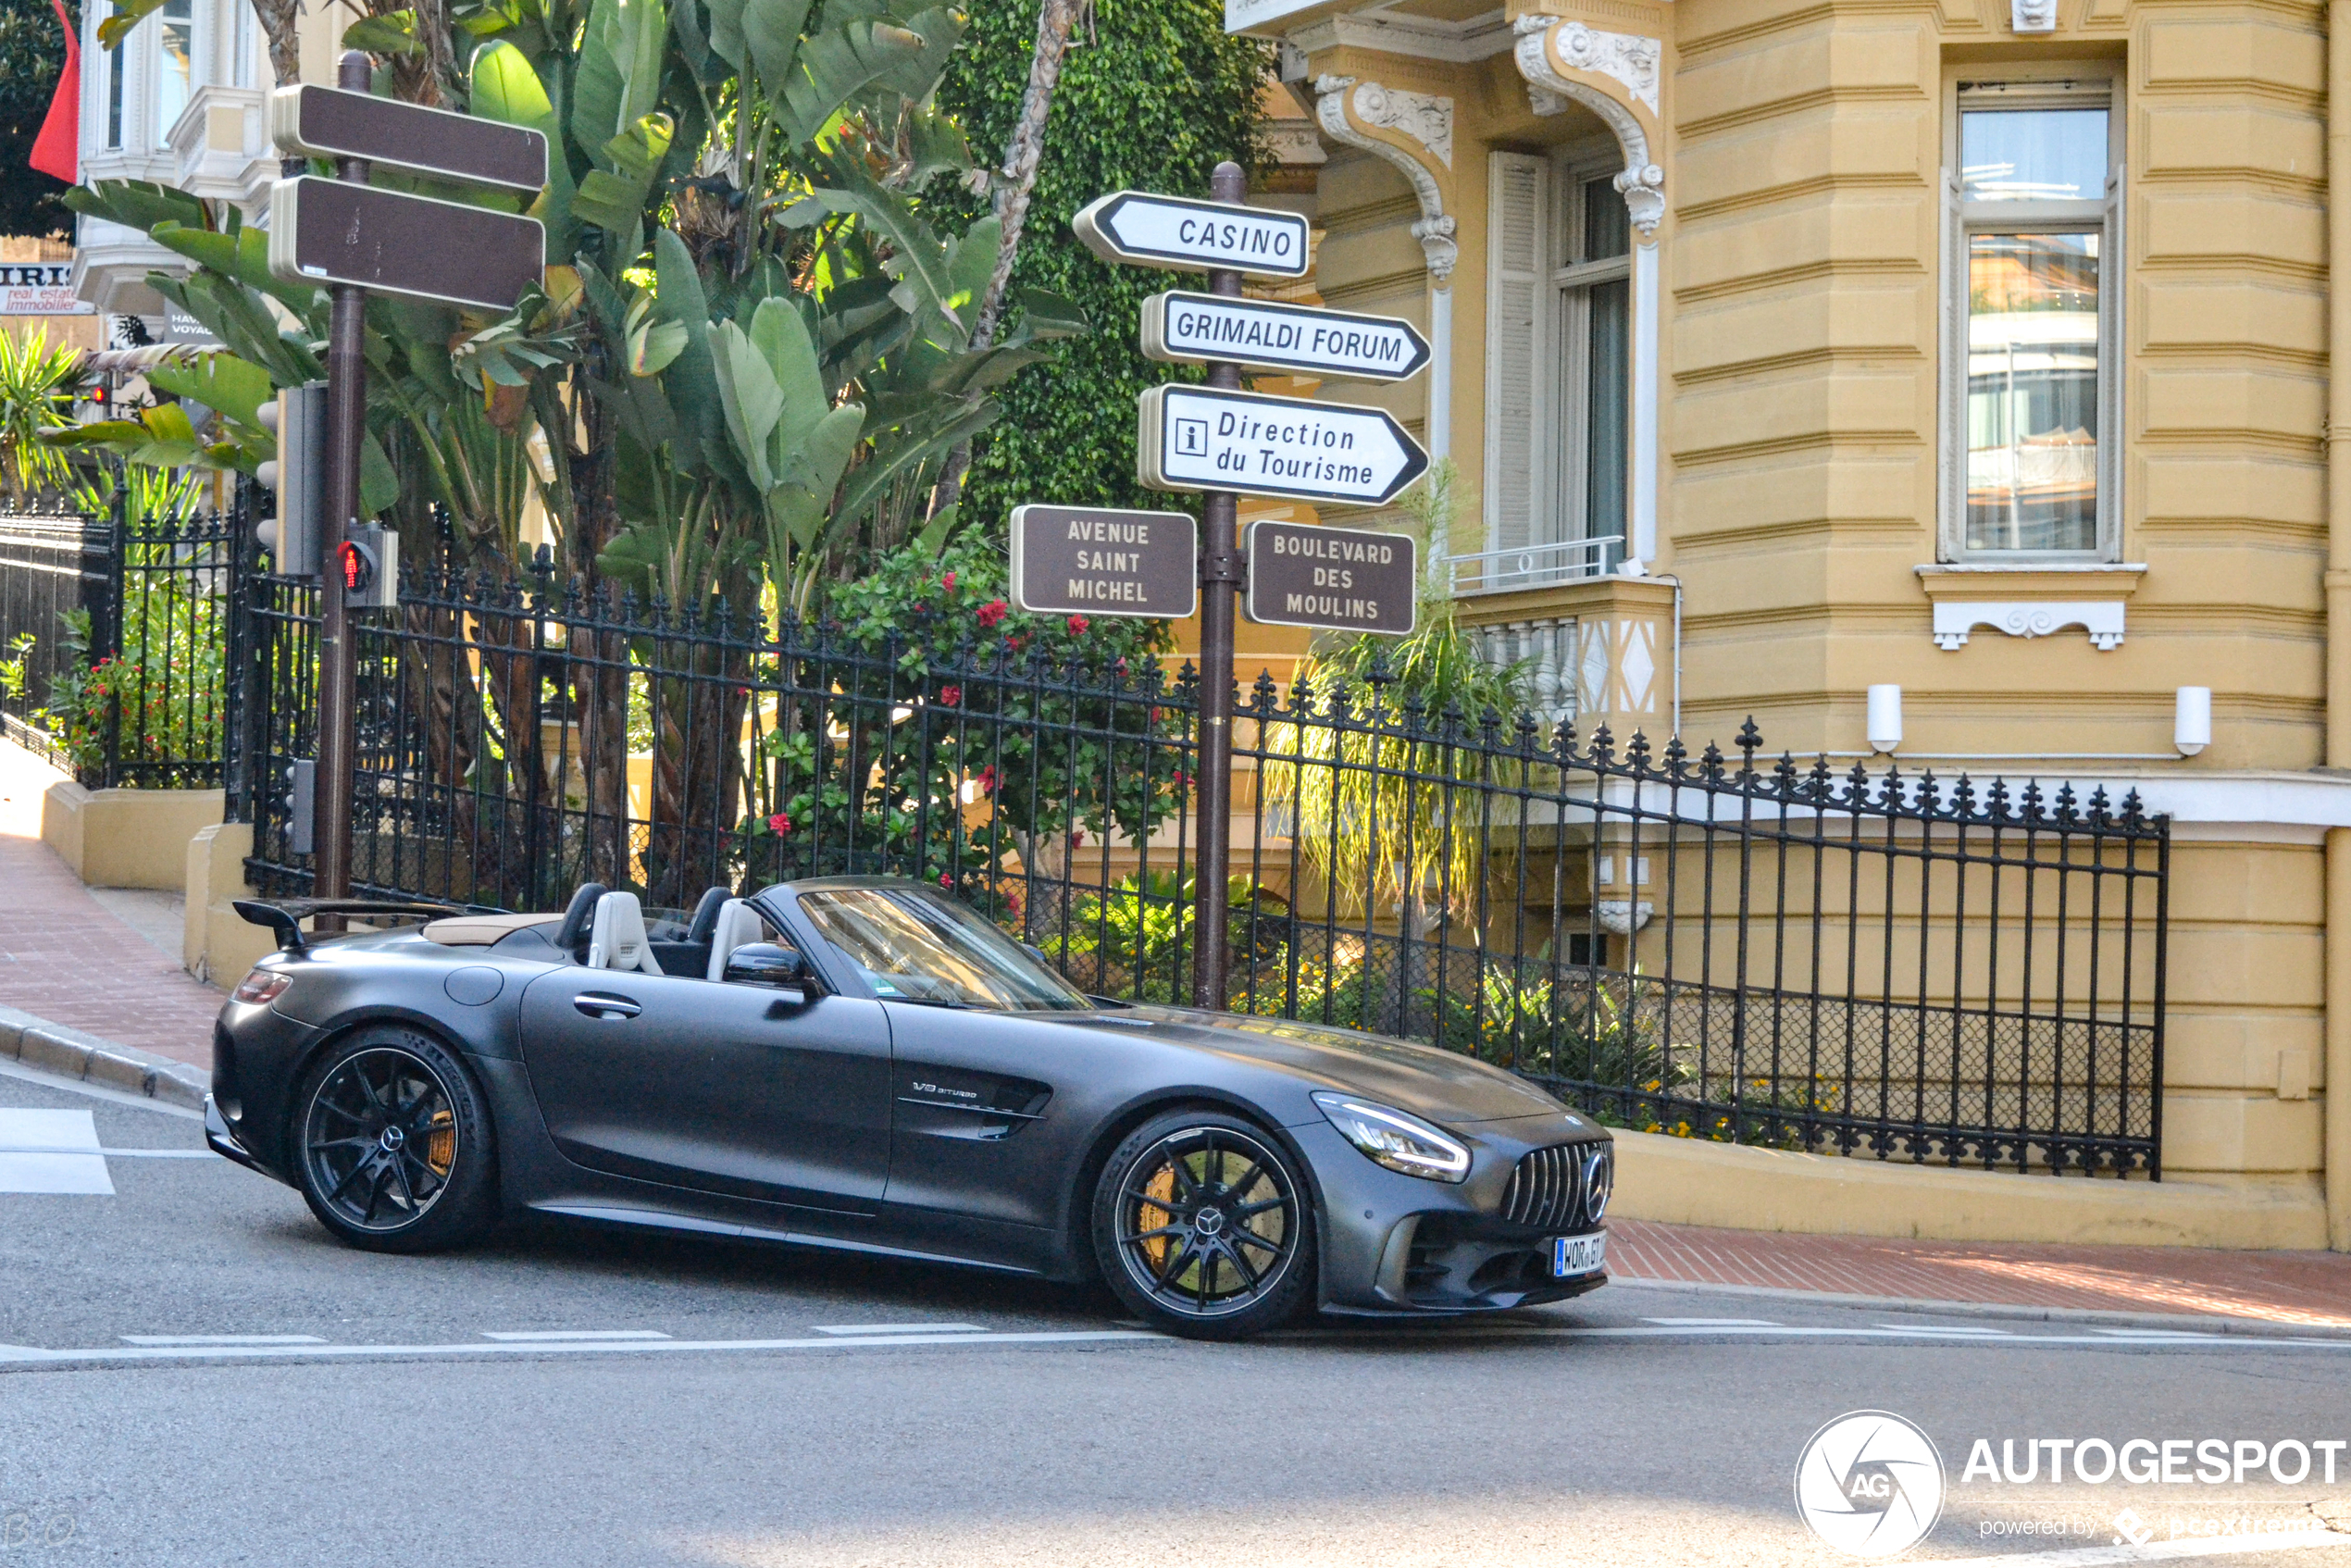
{"x":1203,"y":1226}
{"x":393,"y":1144}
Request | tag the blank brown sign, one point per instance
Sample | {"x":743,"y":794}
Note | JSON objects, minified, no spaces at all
{"x":326,"y":231}
{"x":333,"y":122}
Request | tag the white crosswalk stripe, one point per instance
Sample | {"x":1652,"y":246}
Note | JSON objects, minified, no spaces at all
{"x":52,"y":1152}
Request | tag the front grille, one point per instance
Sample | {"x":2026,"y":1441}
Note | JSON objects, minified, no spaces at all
{"x":1547,"y":1189}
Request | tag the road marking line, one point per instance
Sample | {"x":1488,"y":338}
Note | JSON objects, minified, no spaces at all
{"x":565,"y":1336}
{"x":118,"y":1154}
{"x":222,"y":1339}
{"x":1938,"y":1329}
{"x":1715,"y":1322}
{"x":52,"y":1152}
{"x":31,"y":1355}
{"x":2154,"y":1551}
{"x":900,"y":1328}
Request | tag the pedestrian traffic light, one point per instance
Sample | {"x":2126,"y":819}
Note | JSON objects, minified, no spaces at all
{"x":369,"y":563}
{"x":298,"y":475}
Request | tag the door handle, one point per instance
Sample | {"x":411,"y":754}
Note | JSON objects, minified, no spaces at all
{"x":601,"y":1006}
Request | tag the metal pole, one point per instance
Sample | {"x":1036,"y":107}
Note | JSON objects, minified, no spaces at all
{"x":1219,"y":580}
{"x":346,"y":428}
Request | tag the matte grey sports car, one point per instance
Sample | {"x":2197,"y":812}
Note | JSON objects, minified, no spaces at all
{"x":861,"y":1063}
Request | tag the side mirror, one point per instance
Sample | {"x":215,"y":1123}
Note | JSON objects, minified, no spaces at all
{"x":765,"y":963}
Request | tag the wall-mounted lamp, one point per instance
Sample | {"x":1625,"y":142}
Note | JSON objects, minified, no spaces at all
{"x":1885,"y":717}
{"x":2192,"y":720}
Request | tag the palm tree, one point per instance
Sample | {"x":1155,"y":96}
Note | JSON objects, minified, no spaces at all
{"x":37,"y":388}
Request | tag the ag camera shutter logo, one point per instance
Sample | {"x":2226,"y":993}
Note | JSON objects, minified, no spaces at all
{"x":1870,"y":1484}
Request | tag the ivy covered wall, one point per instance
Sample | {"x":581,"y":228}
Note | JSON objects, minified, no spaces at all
{"x":1152,"y":95}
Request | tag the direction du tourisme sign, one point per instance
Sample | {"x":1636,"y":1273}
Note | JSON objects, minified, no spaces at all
{"x":1291,"y":448}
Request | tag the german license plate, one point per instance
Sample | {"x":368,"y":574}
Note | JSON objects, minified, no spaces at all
{"x":1572,"y":1255}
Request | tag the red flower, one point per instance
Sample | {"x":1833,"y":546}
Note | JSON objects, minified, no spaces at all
{"x":992,"y":612}
{"x":779,"y":823}
{"x":1015,"y":643}
{"x":951,"y":695}
{"x":945,"y":880}
{"x":1183,"y":779}
{"x":1077,"y":837}
{"x":986,"y":779}
{"x":948,"y":583}
{"x":1077,"y":624}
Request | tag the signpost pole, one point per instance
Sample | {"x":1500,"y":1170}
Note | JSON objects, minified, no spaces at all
{"x":1220,"y":581}
{"x":346,"y":428}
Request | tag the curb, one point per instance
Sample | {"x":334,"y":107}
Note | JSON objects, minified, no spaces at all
{"x":73,"y":1054}
{"x":2190,"y":1323}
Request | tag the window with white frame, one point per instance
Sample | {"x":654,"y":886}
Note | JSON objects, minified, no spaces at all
{"x":1559,"y":323}
{"x":149,"y":79}
{"x":2033,"y":373}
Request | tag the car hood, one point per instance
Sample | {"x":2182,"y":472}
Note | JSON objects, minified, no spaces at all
{"x":1441,"y":1084}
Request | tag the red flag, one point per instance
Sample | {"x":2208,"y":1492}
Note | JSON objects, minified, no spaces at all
{"x":57,"y":150}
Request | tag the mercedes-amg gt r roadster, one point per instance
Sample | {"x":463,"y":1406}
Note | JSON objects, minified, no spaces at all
{"x":864,"y":1064}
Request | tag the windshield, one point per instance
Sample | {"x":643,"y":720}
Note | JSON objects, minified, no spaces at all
{"x":913,"y":946}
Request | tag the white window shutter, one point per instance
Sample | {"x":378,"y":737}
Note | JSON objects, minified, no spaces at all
{"x":1951,"y":436}
{"x":2114,"y":263}
{"x":1517,"y":224}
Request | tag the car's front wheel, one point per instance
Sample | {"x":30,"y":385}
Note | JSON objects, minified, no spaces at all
{"x":393,"y":1144}
{"x":1203,"y":1226}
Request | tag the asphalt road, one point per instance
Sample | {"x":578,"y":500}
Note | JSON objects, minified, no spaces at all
{"x":191,"y":1371}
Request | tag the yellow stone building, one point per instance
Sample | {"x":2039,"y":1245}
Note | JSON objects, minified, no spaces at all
{"x":1945,"y":381}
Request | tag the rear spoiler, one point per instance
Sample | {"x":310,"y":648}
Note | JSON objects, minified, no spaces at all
{"x":285,"y":915}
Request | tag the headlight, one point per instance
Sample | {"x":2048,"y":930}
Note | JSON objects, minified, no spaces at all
{"x":1393,"y":1138}
{"x":261,"y":986}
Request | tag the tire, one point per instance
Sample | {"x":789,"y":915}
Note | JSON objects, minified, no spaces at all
{"x":392,"y":1144}
{"x":1204,"y":1227}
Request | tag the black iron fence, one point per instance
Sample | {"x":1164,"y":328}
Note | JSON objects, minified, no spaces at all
{"x":1721,"y":947}
{"x":52,"y":567}
{"x":115,"y":640}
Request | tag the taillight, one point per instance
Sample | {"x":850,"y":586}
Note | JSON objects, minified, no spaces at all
{"x":261,"y":986}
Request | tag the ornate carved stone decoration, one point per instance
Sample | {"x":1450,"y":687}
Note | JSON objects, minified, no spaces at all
{"x":2037,"y":617}
{"x":1630,"y":61}
{"x":1424,"y":119}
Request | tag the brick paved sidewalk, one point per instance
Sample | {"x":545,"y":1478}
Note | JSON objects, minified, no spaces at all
{"x":2309,"y":1288}
{"x":67,"y":959}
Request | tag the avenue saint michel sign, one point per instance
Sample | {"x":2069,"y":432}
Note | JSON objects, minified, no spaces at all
{"x":1098,"y":561}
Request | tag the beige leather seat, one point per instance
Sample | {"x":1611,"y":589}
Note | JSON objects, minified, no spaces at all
{"x":738,"y":925}
{"x":617,"y":937}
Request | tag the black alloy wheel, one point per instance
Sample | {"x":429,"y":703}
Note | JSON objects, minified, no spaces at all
{"x":1203,"y":1227}
{"x":394,"y":1145}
